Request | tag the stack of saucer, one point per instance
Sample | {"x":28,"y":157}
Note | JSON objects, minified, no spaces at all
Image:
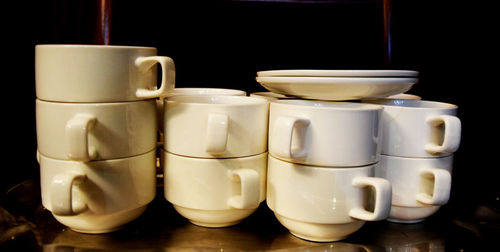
{"x":337,"y":85}
{"x":323,"y":150}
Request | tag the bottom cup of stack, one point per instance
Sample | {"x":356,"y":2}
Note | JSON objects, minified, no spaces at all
{"x":212,"y":192}
{"x":98,"y":196}
{"x":420,"y":186}
{"x":325,"y":204}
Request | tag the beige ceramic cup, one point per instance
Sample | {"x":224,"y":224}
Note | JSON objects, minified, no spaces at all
{"x":95,"y":131}
{"x":420,"y":186}
{"x":100,"y":73}
{"x":97,"y":196}
{"x":419,"y":129}
{"x":215,"y":192}
{"x":216,"y":126}
{"x":325,"y":204}
{"x":192,"y":92}
{"x":330,"y":134}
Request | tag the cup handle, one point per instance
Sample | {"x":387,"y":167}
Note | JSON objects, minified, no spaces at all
{"x":287,"y":144}
{"x":382,"y":199}
{"x":77,"y":138}
{"x":440,"y":182}
{"x":61,"y":194}
{"x":452,"y":134}
{"x":250,"y":189}
{"x":217,"y":133}
{"x":167,"y":75}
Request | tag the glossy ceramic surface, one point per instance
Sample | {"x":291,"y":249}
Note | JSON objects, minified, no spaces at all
{"x":336,"y":88}
{"x":100,"y":73}
{"x":325,"y":204}
{"x":418,"y":128}
{"x":339,"y":73}
{"x":95,"y":131}
{"x":320,"y":133}
{"x":97,"y":196}
{"x":216,"y":126}
{"x":419,"y":185}
{"x":215,"y":192}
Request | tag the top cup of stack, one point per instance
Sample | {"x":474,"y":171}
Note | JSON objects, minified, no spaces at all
{"x":100,"y":73}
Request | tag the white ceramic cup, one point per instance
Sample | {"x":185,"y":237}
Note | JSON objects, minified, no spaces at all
{"x":419,"y":185}
{"x":418,"y":128}
{"x":95,"y":131}
{"x":192,"y":91}
{"x":325,"y":204}
{"x":100,"y":73}
{"x":216,"y":126}
{"x":320,"y":133}
{"x":97,"y":196}
{"x":215,"y":192}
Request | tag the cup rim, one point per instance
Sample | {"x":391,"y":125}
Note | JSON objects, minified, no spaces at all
{"x":192,"y":91}
{"x":331,"y":105}
{"x":94,"y":46}
{"x":216,"y":100}
{"x":413,"y":104}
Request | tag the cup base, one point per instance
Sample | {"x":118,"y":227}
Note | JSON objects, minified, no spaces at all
{"x":90,"y":223}
{"x":214,"y":218}
{"x":410,"y":215}
{"x":319,"y":232}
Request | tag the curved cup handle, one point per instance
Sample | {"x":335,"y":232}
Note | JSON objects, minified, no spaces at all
{"x":61,"y":194}
{"x":452,"y":134}
{"x":250,"y":189}
{"x":167,"y":75}
{"x":77,"y":138}
{"x":217,"y":133}
{"x":383,"y":199}
{"x":440,"y":185}
{"x":289,"y":135}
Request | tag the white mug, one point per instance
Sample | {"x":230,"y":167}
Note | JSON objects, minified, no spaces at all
{"x":95,"y":131}
{"x":192,"y":91}
{"x":325,"y":204}
{"x":100,"y":73}
{"x":97,"y":196}
{"x":320,"y":133}
{"x":216,"y":126}
{"x":420,"y":129}
{"x":215,"y":192}
{"x":419,"y":185}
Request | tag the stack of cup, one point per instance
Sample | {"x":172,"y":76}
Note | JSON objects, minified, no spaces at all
{"x":321,"y":166}
{"x":96,"y":132}
{"x":420,"y":138}
{"x":215,"y":157}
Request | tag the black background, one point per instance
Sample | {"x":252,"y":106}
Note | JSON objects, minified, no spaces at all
{"x":223,"y":43}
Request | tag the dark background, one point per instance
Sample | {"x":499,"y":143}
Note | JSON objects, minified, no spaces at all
{"x":223,"y":43}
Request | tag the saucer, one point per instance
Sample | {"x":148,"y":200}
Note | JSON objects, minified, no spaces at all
{"x":336,"y":88}
{"x":339,"y":73}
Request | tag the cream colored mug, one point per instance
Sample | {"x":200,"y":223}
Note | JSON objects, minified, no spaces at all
{"x":95,"y":131}
{"x":320,"y":133}
{"x":420,"y":186}
{"x":419,"y":129}
{"x":216,"y":126}
{"x":100,"y":73}
{"x":325,"y":204}
{"x":98,"y":196}
{"x":215,"y":192}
